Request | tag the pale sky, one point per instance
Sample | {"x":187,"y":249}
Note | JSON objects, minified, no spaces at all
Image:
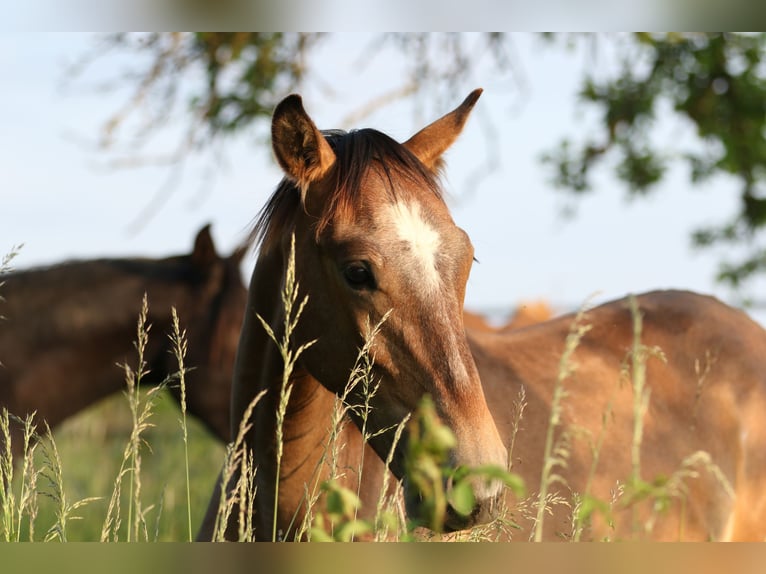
{"x":61,"y":200}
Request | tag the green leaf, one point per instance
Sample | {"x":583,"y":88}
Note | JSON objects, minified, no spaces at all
{"x":340,"y":501}
{"x":461,"y":497}
{"x":591,"y":505}
{"x":442,"y":439}
{"x":495,"y":472}
{"x":347,"y":531}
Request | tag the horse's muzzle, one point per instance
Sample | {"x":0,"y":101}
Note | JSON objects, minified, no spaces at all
{"x":484,"y":511}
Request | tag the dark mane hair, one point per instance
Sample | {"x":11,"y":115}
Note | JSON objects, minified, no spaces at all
{"x":356,"y":153}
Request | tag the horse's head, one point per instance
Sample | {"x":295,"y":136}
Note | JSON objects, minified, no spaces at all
{"x":373,"y":235}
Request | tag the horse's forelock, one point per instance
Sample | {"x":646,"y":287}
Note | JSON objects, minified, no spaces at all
{"x":356,"y":153}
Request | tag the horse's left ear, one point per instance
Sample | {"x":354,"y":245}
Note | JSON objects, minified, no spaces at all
{"x":432,"y":141}
{"x":204,"y":254}
{"x":300,"y":148}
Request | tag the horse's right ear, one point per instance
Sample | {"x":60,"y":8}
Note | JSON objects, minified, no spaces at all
{"x":300,"y":148}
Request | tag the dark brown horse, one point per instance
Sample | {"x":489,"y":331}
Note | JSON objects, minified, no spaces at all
{"x":67,"y":326}
{"x":372,"y":236}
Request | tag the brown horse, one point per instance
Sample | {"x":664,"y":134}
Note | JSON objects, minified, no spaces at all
{"x":523,"y":315}
{"x":706,"y":394}
{"x":69,"y":324}
{"x":372,"y":236}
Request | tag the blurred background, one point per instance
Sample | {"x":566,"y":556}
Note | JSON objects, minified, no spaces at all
{"x":594,"y":165}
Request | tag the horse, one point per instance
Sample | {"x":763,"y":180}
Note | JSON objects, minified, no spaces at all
{"x":374,"y":243}
{"x":69,"y":325}
{"x":524,"y":314}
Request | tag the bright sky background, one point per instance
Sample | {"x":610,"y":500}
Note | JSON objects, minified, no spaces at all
{"x":61,"y":200}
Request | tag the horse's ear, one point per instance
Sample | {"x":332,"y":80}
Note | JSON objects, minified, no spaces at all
{"x":432,"y":141}
{"x":204,"y":254}
{"x":300,"y":148}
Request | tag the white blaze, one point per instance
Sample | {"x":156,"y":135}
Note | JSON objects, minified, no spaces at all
{"x":423,"y":239}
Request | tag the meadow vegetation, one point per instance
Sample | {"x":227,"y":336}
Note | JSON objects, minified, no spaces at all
{"x":134,"y":468}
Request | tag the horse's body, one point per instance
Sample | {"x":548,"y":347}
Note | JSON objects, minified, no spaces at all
{"x":67,"y":327}
{"x":708,"y":395}
{"x":373,"y":235}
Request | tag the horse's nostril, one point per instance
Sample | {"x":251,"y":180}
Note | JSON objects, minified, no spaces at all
{"x":456,"y":521}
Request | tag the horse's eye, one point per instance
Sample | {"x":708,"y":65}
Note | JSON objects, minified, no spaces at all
{"x":358,"y":275}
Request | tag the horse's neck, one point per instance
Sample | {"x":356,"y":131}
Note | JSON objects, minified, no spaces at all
{"x":318,"y":444}
{"x":259,"y":367}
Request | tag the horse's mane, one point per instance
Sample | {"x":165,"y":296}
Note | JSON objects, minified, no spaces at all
{"x":356,"y":153}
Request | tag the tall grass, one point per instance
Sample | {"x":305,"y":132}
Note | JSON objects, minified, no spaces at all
{"x":15,"y":506}
{"x":141,"y":409}
{"x":238,"y":461}
{"x":127,"y":517}
{"x":634,"y":492}
{"x":292,"y":315}
{"x":660,"y":492}
{"x":34,"y":496}
{"x":53,"y":473}
{"x":34,"y":488}
{"x":555,"y":452}
{"x":178,"y":340}
{"x":343,"y":504}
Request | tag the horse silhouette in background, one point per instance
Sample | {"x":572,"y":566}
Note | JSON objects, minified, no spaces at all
{"x":69,"y":325}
